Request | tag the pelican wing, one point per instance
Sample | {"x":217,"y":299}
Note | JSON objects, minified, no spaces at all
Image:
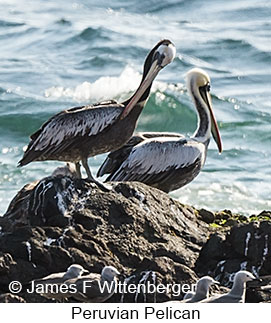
{"x":114,"y":160}
{"x":149,"y":135}
{"x":69,"y":124}
{"x":61,"y":130}
{"x":156,"y":160}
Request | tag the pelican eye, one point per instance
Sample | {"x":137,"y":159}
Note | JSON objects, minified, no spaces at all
{"x":159,"y":57}
{"x":208,"y":87}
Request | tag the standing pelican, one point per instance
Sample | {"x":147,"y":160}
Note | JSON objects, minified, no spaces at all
{"x":166,"y":161}
{"x":78,"y":133}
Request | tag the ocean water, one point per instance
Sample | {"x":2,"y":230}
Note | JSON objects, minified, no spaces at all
{"x":59,"y":54}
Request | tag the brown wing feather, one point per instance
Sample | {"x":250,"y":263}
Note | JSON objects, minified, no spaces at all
{"x":61,"y":130}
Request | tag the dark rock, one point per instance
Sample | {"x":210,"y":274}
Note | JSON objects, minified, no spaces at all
{"x":244,"y":247}
{"x":231,"y":222}
{"x":7,"y":266}
{"x":133,"y":227}
{"x":207,"y":216}
{"x":10,"y":298}
{"x":45,"y":202}
{"x":265,"y":214}
{"x":139,"y":230}
{"x":17,"y":213}
{"x":212,"y":252}
{"x":223,"y":215}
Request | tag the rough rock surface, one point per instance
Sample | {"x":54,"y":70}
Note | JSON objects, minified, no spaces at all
{"x":140,"y":230}
{"x":10,"y":298}
{"x":244,"y":246}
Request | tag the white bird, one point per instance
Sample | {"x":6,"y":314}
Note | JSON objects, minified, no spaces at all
{"x":49,"y":286}
{"x":201,"y":292}
{"x":237,"y":293}
{"x":163,"y":161}
{"x":188,"y":295}
{"x":267,"y":287}
{"x":68,"y":170}
{"x":95,"y":288}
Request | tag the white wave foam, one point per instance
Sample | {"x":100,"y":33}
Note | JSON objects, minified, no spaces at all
{"x":229,"y":195}
{"x":106,"y":87}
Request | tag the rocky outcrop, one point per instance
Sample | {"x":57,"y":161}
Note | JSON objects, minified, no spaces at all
{"x":10,"y":298}
{"x":244,"y":246}
{"x":138,"y":229}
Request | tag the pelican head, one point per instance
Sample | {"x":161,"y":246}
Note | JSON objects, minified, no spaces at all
{"x":160,"y":56}
{"x":163,"y":54}
{"x":198,"y":84}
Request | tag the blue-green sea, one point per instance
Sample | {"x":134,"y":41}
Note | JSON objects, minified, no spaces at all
{"x":59,"y":54}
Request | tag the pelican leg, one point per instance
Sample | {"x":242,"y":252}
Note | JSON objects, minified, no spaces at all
{"x":91,"y":178}
{"x":85,"y":165}
{"x":78,"y":171}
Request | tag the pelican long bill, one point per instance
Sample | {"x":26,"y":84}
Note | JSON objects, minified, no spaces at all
{"x":164,"y":55}
{"x":214,"y":126}
{"x":154,"y":70}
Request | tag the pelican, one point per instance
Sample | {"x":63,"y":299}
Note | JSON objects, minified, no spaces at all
{"x":167,"y":161}
{"x":75,"y":134}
